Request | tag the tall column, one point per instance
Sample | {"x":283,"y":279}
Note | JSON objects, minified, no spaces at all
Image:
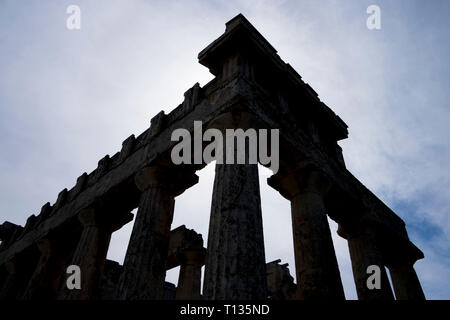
{"x":48,"y":273}
{"x":9,"y":287}
{"x":190,"y":275}
{"x":235,"y":264}
{"x":3,"y":277}
{"x":406,"y":283}
{"x":364,"y":252}
{"x":144,"y":268}
{"x":90,"y":254}
{"x":316,"y":265}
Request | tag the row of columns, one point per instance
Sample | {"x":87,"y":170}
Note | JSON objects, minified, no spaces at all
{"x":365,"y":250}
{"x":33,"y":274}
{"x":235,"y":262}
{"x":317,"y":270}
{"x":59,"y":250}
{"x":144,"y":267}
{"x":48,"y":273}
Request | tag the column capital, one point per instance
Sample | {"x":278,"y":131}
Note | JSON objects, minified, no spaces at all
{"x":396,"y":250}
{"x":363,"y":225}
{"x":401,"y":253}
{"x":192,"y":260}
{"x":194,"y":256}
{"x":89,"y":217}
{"x":175,"y":180}
{"x":301,"y":178}
{"x":11,"y":266}
{"x":95,"y":216}
{"x":44,"y":245}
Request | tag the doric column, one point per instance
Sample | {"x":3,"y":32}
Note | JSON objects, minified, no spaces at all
{"x":90,"y":254}
{"x":406,"y":283}
{"x":235,"y":264}
{"x":190,"y":274}
{"x":9,"y":287}
{"x":144,"y":267}
{"x":316,"y":266}
{"x":364,"y":252}
{"x":47,"y":275}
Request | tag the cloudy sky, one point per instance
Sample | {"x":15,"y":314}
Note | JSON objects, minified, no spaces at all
{"x":69,"y":97}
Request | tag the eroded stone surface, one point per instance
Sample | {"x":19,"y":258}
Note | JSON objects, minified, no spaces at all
{"x":235,"y":264}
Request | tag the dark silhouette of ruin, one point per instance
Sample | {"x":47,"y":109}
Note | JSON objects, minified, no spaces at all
{"x":252,"y":88}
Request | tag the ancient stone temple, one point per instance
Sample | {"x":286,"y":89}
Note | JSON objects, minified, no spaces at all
{"x":252,"y":88}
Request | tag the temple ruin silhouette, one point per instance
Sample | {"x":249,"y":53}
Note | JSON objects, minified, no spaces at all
{"x":252,"y":88}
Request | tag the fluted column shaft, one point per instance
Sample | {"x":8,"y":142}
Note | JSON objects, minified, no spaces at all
{"x":90,"y":254}
{"x":365,"y":252}
{"x":145,"y":262}
{"x":47,"y":275}
{"x":318,"y":274}
{"x":190,"y":275}
{"x":9,"y":287}
{"x":235,"y":265}
{"x":406,"y":283}
{"x":316,"y":265}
